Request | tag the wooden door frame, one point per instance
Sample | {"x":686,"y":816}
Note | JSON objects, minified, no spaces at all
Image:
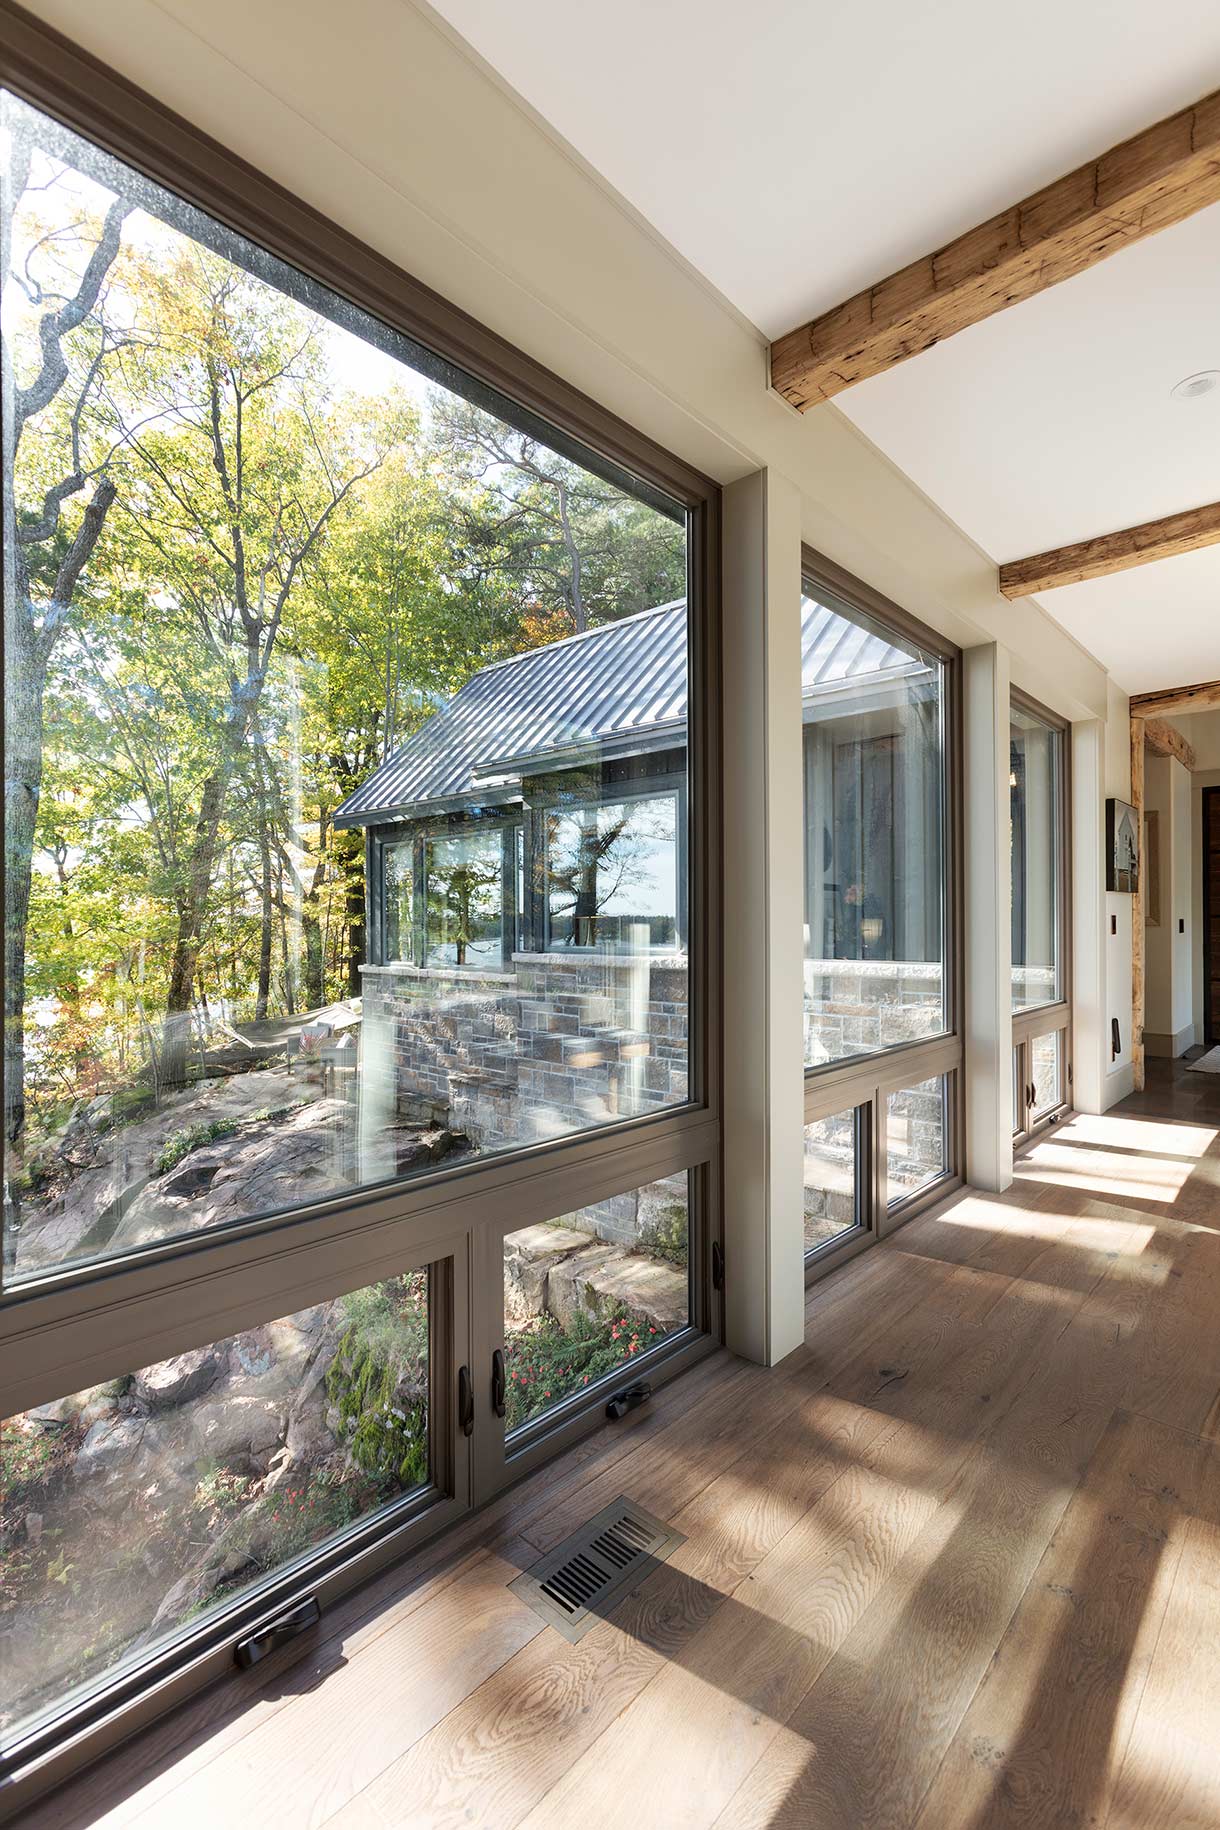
{"x":1211,"y":1031}
{"x":1145,"y":706}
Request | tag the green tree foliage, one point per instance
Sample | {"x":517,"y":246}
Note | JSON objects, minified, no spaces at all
{"x":250,"y":567}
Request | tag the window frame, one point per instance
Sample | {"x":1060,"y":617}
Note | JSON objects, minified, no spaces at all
{"x":1026,"y":1022}
{"x":868,"y":1080}
{"x":77,"y":1326}
{"x":1029,"y":1025}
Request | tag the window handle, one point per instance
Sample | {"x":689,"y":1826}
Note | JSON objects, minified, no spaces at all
{"x":499,"y":1396}
{"x":249,"y":1651}
{"x":465,"y":1402}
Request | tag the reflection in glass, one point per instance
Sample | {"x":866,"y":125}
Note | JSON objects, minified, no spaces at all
{"x":586,"y":1294}
{"x":329,"y":608}
{"x":915,"y":1137}
{"x":874,"y":836}
{"x":832,"y":1205}
{"x":1035,"y":760}
{"x":612,"y":874}
{"x":465,"y":889}
{"x":142,"y":1504}
{"x":400,"y":902}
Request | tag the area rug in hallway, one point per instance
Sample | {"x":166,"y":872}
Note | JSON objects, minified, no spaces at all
{"x":1206,"y":1064}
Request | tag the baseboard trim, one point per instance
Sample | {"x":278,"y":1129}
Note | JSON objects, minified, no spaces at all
{"x":1169,"y":1047}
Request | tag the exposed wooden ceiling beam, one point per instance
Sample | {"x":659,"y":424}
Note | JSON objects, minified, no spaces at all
{"x":1202,"y":698}
{"x":1161,"y":176}
{"x":1163,"y":740}
{"x":1131,"y":546}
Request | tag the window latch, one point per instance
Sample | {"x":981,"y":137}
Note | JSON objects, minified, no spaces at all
{"x":249,"y":1651}
{"x":465,"y":1402}
{"x":499,"y":1391}
{"x":717,"y":1265}
{"x":630,"y":1400}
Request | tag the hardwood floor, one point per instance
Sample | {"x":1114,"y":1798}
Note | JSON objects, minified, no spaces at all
{"x":955,"y":1563}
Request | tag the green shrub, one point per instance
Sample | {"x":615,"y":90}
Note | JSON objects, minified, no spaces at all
{"x":547,"y":1362}
{"x":378,"y":1381}
{"x":219,"y":1491}
{"x":29,"y":1459}
{"x":293,"y":1519}
{"x":180,"y":1143}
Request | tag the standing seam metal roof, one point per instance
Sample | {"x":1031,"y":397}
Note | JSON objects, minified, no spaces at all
{"x":621,"y":681}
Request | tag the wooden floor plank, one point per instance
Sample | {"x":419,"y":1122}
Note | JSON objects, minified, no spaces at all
{"x":955,"y":1562}
{"x":549,"y":1704}
{"x":1170,"y":1776}
{"x":335,"y":1738}
{"x":1086,"y":1629}
{"x":880,"y":1717}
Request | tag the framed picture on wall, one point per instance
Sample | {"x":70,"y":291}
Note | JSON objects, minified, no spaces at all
{"x":1122,"y":848}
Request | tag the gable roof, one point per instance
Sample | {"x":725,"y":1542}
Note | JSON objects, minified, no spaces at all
{"x":618,"y":690}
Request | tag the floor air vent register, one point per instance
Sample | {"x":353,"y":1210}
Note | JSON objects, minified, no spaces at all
{"x":578,"y":1583}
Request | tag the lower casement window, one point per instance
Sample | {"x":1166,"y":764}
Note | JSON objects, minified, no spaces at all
{"x":1041,"y":1072}
{"x":174,"y":1520}
{"x":878,"y":1150}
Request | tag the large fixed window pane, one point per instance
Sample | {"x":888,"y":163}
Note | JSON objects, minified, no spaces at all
{"x":832,"y":1179}
{"x":916,"y":1137}
{"x":1035,"y":763}
{"x":291,"y":592}
{"x":875,"y":848}
{"x":585,"y":1295}
{"x":141,"y":1505}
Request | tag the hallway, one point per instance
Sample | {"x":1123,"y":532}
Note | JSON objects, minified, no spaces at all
{"x":956,"y":1562}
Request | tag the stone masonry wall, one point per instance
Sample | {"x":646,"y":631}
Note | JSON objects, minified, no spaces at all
{"x":562,"y":1042}
{"x":853,"y":1006}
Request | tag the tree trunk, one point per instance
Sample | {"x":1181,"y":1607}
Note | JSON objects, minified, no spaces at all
{"x":25,"y":681}
{"x":266,"y":932}
{"x":192,"y":904}
{"x":314,"y":989}
{"x":349,"y":848}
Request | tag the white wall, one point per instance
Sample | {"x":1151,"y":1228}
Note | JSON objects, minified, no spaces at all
{"x":1117,"y":1081}
{"x":1202,"y":732}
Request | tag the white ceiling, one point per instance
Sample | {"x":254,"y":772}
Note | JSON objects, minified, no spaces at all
{"x":1053,"y":421}
{"x":794,"y":152}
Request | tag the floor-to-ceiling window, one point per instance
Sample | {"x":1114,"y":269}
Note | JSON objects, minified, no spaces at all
{"x":361,"y":1034}
{"x":881,"y":998}
{"x":1041,"y":1006}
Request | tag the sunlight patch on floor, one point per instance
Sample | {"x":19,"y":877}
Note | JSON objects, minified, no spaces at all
{"x":1105,"y":1173}
{"x":1140,"y":1134}
{"x":1126,"y":1237}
